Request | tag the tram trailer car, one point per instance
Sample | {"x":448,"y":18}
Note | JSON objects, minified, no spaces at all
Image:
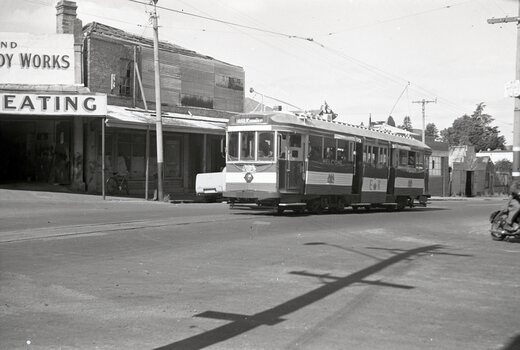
{"x":303,"y":163}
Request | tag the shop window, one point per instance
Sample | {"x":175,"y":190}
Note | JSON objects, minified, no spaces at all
{"x":196,"y":101}
{"x":108,"y":151}
{"x":229,"y":82}
{"x":125,"y":78}
{"x":172,"y":157}
{"x":138,"y":160}
{"x":124,"y":154}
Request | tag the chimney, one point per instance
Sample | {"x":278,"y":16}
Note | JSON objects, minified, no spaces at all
{"x":68,"y":23}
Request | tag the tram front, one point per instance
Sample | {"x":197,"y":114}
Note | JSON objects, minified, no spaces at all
{"x":251,"y":170}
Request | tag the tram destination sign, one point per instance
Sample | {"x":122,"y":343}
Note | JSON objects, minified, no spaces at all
{"x":47,"y":104}
{"x":36,"y":59}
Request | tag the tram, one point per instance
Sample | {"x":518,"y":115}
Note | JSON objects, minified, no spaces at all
{"x":307,"y":163}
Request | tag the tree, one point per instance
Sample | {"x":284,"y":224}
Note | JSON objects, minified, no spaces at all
{"x":390,"y":121}
{"x":431,"y":130}
{"x":407,"y":124}
{"x":474,"y":129}
{"x":504,"y":166}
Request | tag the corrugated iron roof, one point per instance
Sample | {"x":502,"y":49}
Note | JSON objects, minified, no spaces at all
{"x":121,"y":117}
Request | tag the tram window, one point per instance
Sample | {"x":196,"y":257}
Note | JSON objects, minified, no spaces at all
{"x":403,"y":157}
{"x":374,"y":160}
{"x":411,"y":159}
{"x":265,"y":145}
{"x":342,"y":151}
{"x":315,"y":144}
{"x":419,"y":162}
{"x":330,"y":150}
{"x":282,"y":145}
{"x":383,"y":157}
{"x":295,"y":140}
{"x":233,"y":146}
{"x":247,"y":151}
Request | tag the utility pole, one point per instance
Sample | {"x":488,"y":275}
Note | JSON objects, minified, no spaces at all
{"x":516,"y":120}
{"x":158,"y":114}
{"x":424,"y":102}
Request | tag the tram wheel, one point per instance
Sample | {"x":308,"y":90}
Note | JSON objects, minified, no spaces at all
{"x":316,"y":207}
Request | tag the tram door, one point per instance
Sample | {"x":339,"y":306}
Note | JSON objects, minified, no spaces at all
{"x":290,"y":162}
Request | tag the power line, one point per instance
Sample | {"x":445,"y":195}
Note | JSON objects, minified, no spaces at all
{"x":396,"y":18}
{"x":227,"y":22}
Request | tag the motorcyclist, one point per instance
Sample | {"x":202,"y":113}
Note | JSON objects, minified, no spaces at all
{"x":513,"y":207}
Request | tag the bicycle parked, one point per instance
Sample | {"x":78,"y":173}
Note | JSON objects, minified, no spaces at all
{"x":117,"y":184}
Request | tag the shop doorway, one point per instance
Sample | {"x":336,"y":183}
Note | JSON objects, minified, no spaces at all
{"x":35,"y":151}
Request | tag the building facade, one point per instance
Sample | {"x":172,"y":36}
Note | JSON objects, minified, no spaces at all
{"x":198,"y":92}
{"x":471,"y":175}
{"x":43,"y":106}
{"x":438,"y":168}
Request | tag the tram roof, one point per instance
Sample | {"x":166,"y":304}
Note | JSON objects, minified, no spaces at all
{"x":301,"y":121}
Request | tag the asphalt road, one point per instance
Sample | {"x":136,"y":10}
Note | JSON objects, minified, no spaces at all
{"x":80,"y":273}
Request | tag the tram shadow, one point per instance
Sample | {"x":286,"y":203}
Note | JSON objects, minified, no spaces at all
{"x":253,"y":209}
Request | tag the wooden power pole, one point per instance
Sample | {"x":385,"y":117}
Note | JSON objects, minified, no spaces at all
{"x":424,"y":102}
{"x":516,"y":121}
{"x":158,"y":112}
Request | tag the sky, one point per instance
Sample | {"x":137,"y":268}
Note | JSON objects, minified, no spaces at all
{"x":366,"y":57}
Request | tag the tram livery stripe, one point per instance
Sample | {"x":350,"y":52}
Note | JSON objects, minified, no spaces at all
{"x":263,"y":177}
{"x":403,"y":182}
{"x":371,"y":184}
{"x":330,"y":179}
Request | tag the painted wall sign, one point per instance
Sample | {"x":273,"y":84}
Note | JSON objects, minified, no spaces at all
{"x":36,"y":59}
{"x":42,"y":104}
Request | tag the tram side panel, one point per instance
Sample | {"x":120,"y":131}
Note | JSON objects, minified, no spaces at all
{"x":409,"y":183}
{"x":328,"y":179}
{"x":375,"y":183}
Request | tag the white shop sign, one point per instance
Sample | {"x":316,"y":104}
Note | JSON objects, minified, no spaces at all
{"x":36,"y":59}
{"x":47,"y":104}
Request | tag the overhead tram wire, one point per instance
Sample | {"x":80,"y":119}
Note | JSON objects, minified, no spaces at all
{"x":397,"y":18}
{"x":374,"y":70}
{"x":396,"y":102}
{"x":226,"y":22}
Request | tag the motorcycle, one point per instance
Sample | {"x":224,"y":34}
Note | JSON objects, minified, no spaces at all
{"x":499,"y":228}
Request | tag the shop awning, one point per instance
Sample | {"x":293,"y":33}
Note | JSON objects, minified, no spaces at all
{"x":131,"y":118}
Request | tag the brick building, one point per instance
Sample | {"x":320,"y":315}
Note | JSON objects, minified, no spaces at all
{"x":198,"y":95}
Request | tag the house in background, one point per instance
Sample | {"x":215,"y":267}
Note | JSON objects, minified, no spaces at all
{"x":504,"y":177}
{"x":438,"y":168}
{"x":471,"y":175}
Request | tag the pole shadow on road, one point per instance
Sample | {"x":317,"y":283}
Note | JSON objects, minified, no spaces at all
{"x":240,"y":323}
{"x":514,"y":344}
